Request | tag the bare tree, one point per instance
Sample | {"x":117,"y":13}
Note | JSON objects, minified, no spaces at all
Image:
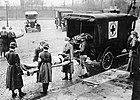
{"x":122,"y":5}
{"x":34,"y":3}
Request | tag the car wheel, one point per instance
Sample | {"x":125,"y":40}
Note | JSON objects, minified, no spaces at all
{"x":107,"y":60}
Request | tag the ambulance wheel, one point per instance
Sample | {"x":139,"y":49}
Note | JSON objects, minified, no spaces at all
{"x":107,"y":60}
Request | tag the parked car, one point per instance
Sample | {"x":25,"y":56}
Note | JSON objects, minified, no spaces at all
{"x":31,"y":22}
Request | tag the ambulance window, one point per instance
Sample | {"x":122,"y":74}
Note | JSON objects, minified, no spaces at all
{"x":87,"y":27}
{"x":73,"y":28}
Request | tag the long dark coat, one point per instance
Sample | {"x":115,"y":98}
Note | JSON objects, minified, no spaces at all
{"x":132,"y":55}
{"x":136,"y":71}
{"x":14,"y":74}
{"x":1,"y":44}
{"x":45,"y":71}
{"x":4,"y":41}
{"x":36,"y":54}
{"x":12,"y":37}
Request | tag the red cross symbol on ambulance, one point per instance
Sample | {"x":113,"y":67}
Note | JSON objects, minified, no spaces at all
{"x":112,"y":29}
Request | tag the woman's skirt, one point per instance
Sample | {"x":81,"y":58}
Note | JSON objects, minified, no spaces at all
{"x":13,"y":78}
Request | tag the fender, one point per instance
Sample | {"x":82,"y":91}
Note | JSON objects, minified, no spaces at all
{"x":101,"y":54}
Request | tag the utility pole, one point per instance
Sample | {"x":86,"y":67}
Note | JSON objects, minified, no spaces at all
{"x":72,"y":3}
{"x":64,"y":3}
{"x":6,"y":3}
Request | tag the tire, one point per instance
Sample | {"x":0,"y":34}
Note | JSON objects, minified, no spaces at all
{"x":107,"y":60}
{"x":38,"y":27}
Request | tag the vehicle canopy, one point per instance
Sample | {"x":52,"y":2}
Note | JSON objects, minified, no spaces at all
{"x":31,"y":15}
{"x":107,"y":29}
{"x":61,"y":12}
{"x":86,"y":22}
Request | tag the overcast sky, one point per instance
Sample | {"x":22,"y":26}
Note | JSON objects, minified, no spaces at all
{"x":47,"y":2}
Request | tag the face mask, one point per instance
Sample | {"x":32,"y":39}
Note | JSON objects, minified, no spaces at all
{"x":132,"y":36}
{"x":41,"y":47}
{"x":66,"y":42}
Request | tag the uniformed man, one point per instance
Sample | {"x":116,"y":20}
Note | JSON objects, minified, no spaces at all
{"x":83,"y":55}
{"x":86,"y":50}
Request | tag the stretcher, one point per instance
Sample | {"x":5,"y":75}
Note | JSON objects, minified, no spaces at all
{"x":31,"y":68}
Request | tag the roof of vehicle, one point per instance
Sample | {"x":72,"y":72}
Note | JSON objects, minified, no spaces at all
{"x":93,"y":16}
{"x":95,"y":12}
{"x":31,"y":13}
{"x":64,"y":10}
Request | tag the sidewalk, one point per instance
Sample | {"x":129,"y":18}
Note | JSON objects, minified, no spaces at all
{"x":105,"y":90}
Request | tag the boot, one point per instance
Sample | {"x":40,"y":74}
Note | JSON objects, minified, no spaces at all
{"x":70,"y":77}
{"x":45,"y":88}
{"x":66,"y":77}
{"x":14,"y":94}
{"x":21,"y":94}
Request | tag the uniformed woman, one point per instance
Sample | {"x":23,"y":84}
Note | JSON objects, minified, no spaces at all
{"x":4,"y":46}
{"x":68,"y":51}
{"x":132,"y":45}
{"x":14,"y":72}
{"x":45,"y":70}
{"x":36,"y":54}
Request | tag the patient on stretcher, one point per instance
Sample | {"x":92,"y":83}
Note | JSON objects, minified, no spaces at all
{"x":32,"y":67}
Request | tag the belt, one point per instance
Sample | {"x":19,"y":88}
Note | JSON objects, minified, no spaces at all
{"x":11,"y":64}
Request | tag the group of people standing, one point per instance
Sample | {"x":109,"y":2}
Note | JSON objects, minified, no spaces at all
{"x":44,"y":59}
{"x":14,"y":71}
{"x":7,"y":49}
{"x":6,"y":37}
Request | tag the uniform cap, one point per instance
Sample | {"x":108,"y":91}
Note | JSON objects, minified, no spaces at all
{"x":3,"y":27}
{"x":13,"y":45}
{"x":46,"y":46}
{"x":42,"y":42}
